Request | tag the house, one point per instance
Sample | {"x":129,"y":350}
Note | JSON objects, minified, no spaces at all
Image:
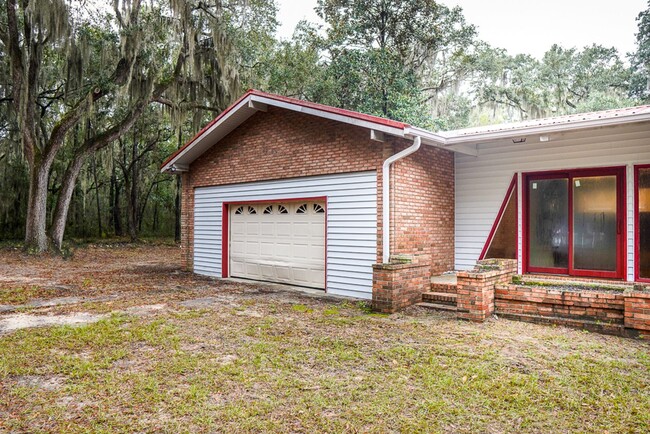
{"x":282,"y":190}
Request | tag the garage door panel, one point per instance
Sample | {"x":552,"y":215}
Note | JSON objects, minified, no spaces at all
{"x":282,"y":242}
{"x":238,"y":228}
{"x":267,"y":229}
{"x":237,"y":248}
{"x":283,"y":229}
{"x":302,"y":229}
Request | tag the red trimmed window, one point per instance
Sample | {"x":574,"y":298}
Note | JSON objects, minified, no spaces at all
{"x":574,"y":222}
{"x":642,"y":222}
{"x":502,"y":241}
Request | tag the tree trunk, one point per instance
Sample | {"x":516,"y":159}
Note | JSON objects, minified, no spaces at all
{"x":35,"y":229}
{"x":132,"y":209}
{"x":115,"y":220}
{"x":177,"y":202}
{"x":68,"y":184}
{"x":132,"y":190}
{"x":99,"y":208}
{"x":177,"y":226}
{"x":116,"y":211}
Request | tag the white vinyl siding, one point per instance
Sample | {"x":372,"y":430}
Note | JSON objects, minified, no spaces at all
{"x":351,"y":224}
{"x":481,"y":182}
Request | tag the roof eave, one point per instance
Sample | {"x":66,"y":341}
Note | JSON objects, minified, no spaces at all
{"x":544,"y":129}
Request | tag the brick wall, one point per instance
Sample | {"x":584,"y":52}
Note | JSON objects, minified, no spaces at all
{"x":422,"y":211}
{"x":637,"y":314}
{"x":396,"y":286}
{"x":281,"y":144}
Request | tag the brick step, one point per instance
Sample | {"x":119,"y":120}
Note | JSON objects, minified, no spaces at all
{"x":447,"y":288}
{"x":439,"y":297}
{"x":437,"y":306}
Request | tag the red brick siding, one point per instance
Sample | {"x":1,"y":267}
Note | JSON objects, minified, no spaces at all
{"x":282,"y":144}
{"x":423,"y":207}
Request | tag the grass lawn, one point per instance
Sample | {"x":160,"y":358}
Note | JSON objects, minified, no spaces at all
{"x":179,"y":353}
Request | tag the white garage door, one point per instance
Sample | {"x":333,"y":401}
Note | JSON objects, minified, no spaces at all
{"x":279,"y":242}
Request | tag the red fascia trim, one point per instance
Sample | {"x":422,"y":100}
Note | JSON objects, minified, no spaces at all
{"x":620,"y":171}
{"x":334,"y":110}
{"x":307,"y":104}
{"x":326,"y":226}
{"x":637,"y":232}
{"x":495,"y":225}
{"x":225,"y":240}
{"x":225,"y":227}
{"x":298,"y":199}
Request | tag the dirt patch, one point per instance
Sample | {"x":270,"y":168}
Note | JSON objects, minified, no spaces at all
{"x":19,"y":321}
{"x":52,"y":302}
{"x":43,"y":382}
{"x":150,"y":309}
{"x":209,"y":302}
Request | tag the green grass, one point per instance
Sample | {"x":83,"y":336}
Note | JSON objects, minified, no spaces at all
{"x":320,"y":367}
{"x":316,"y":366}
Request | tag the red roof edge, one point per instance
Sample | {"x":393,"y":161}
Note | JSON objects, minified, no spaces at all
{"x":322,"y":107}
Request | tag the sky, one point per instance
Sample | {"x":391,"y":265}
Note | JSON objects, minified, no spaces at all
{"x":524,"y":26}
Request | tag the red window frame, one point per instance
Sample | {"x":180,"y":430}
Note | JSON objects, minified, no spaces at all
{"x":512,"y":189}
{"x":637,"y":234}
{"x":621,"y":236}
{"x":225,"y":227}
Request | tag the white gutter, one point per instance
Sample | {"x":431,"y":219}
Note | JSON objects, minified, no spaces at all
{"x":385,"y":180}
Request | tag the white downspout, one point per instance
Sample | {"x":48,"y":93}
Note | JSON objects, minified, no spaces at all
{"x":385,"y":214}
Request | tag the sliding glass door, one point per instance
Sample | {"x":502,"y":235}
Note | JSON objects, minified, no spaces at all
{"x":574,"y":222}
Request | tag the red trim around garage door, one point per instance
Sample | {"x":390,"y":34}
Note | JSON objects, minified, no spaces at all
{"x":225,"y":227}
{"x":637,"y":235}
{"x":620,"y":172}
{"x":512,"y":187}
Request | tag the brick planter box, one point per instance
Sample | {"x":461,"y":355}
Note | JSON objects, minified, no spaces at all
{"x":624,"y":314}
{"x":396,"y":286}
{"x":475,"y":289}
{"x":597,"y":311}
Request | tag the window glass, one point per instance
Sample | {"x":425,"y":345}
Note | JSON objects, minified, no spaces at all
{"x":504,"y":241}
{"x":594,"y":223}
{"x":644,"y":223}
{"x":548,"y":223}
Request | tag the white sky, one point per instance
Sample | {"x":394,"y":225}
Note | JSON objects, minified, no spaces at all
{"x":524,"y":26}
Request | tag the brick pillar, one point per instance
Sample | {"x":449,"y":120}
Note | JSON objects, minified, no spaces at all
{"x":396,"y":286}
{"x":475,"y":293}
{"x":637,"y":314}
